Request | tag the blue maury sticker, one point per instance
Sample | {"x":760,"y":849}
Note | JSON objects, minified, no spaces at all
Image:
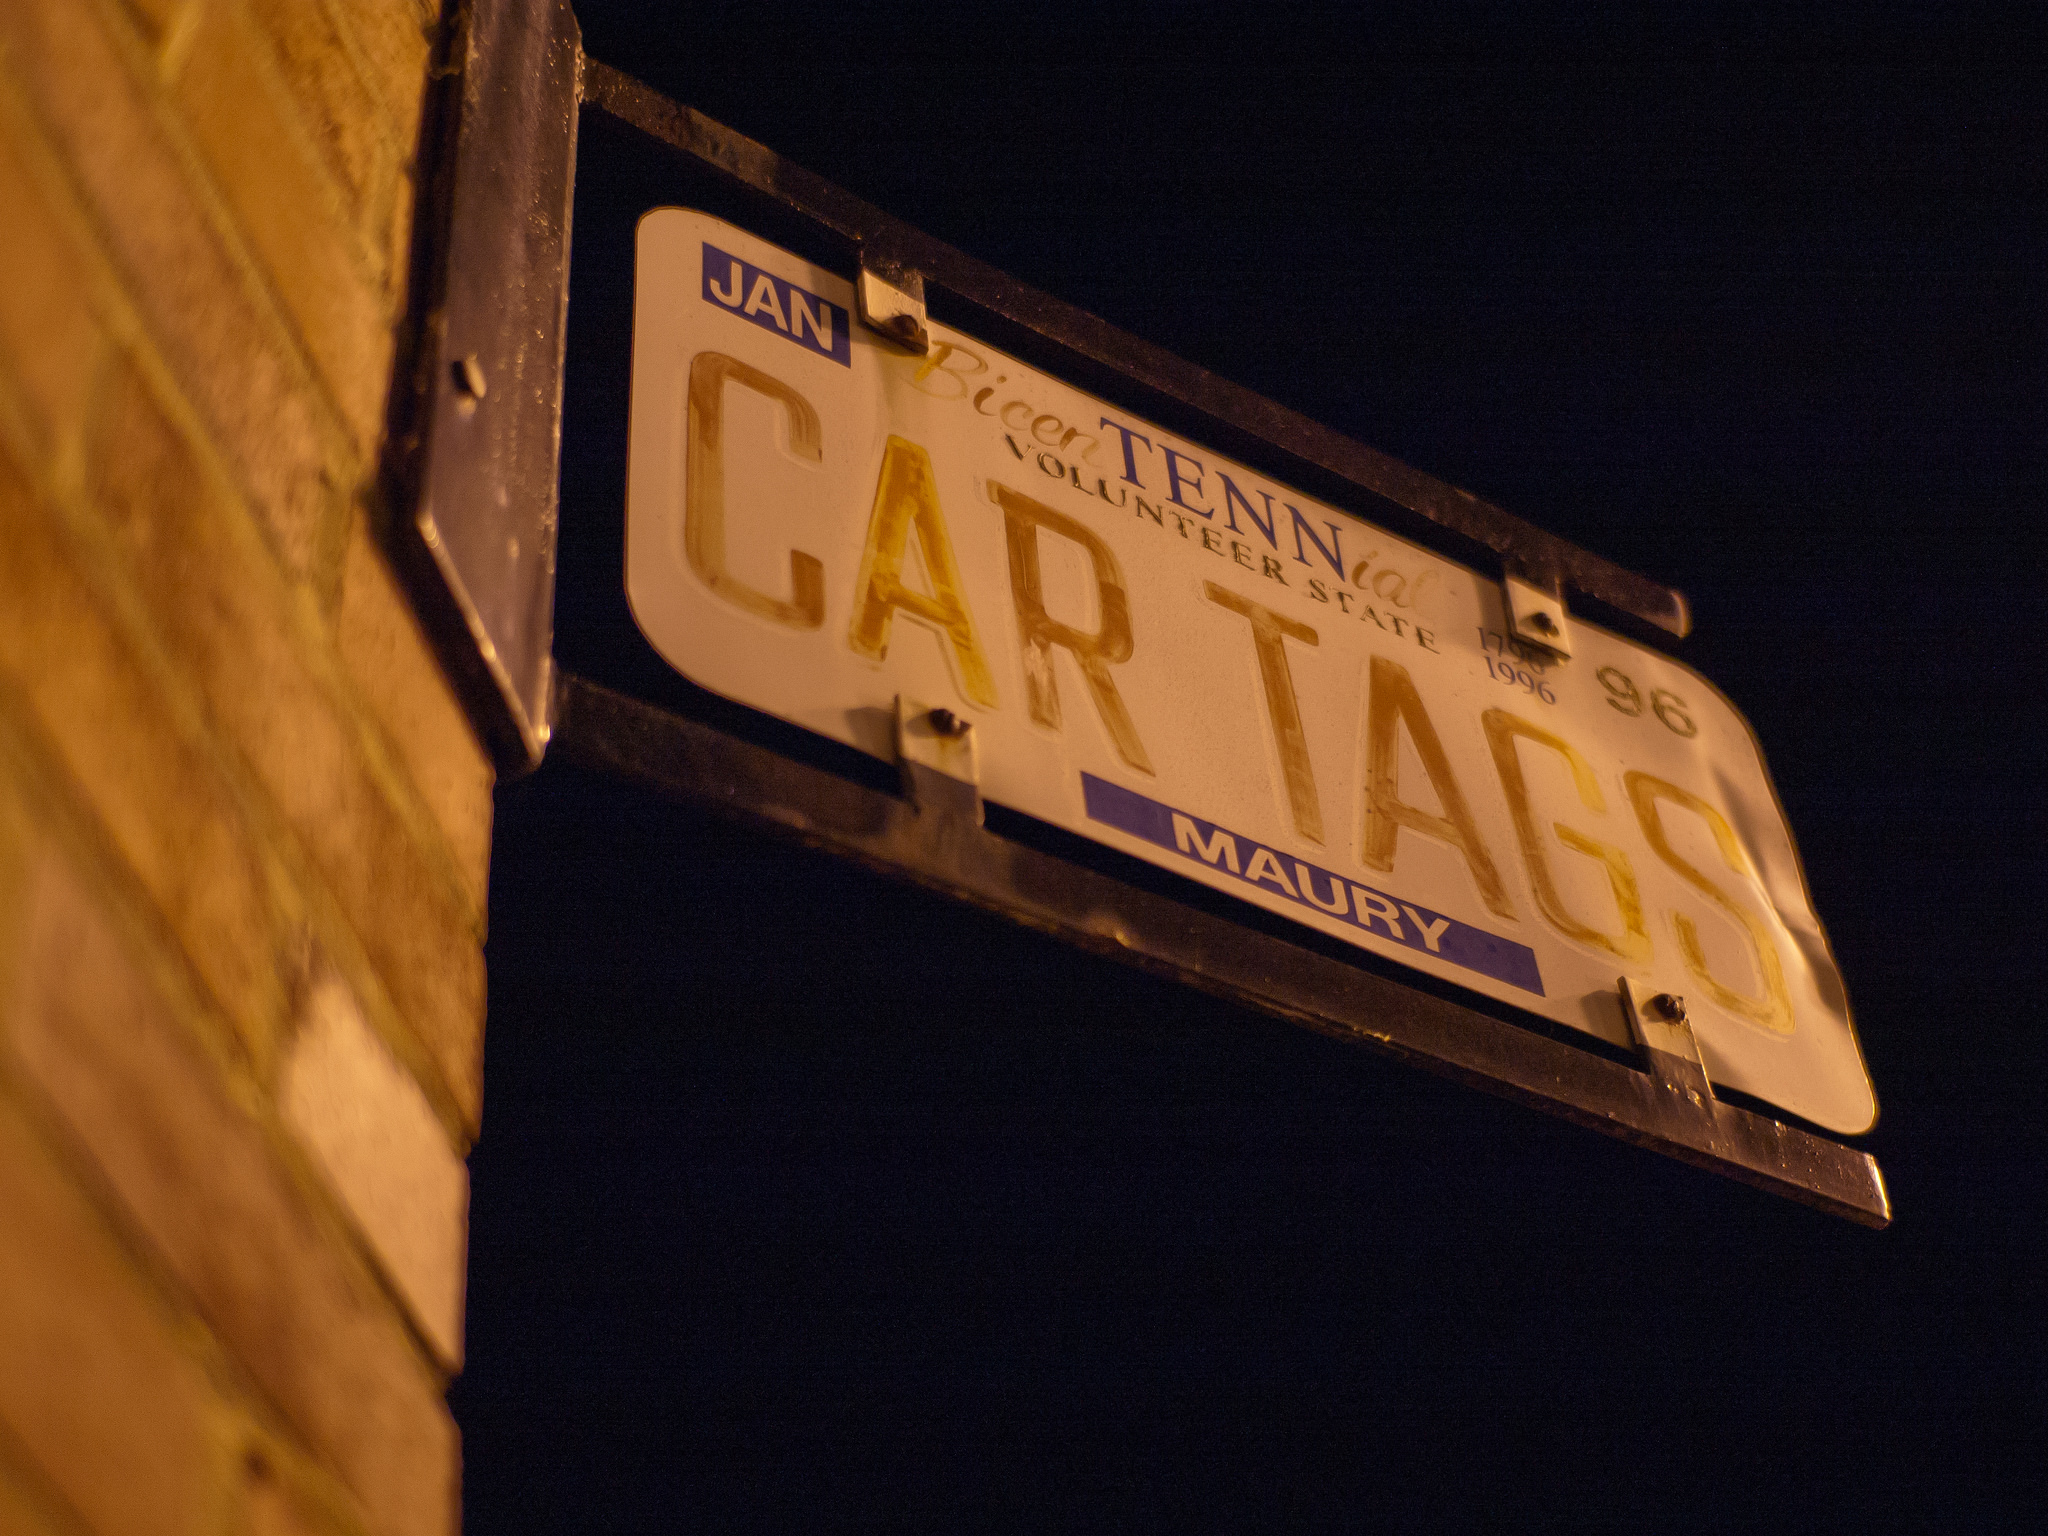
{"x":774,"y":304}
{"x":1309,"y":885}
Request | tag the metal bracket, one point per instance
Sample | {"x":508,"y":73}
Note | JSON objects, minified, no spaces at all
{"x":891,"y":297}
{"x":1662,"y":1109}
{"x":1669,"y":1048}
{"x":475,"y":444}
{"x":1536,"y":613}
{"x":941,"y":760}
{"x":1179,"y":395}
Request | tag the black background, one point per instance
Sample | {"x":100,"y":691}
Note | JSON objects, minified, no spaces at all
{"x":805,"y":1201}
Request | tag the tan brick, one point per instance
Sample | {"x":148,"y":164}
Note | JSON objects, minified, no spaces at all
{"x":366,"y":1126}
{"x":204,"y":1185}
{"x":222,"y":616}
{"x":157,"y":20}
{"x":93,"y":1383}
{"x":395,"y":42}
{"x":285,"y":1492}
{"x":394,"y":670}
{"x":28,"y":1505}
{"x":49,"y":342}
{"x":169,"y":814}
{"x":18,"y":838}
{"x":248,"y":129}
{"x":398,"y":239}
{"x":231,"y":359}
{"x":375,"y":1139}
{"x":338,"y":104}
{"x":19,"y":1516}
{"x":277,"y":1509}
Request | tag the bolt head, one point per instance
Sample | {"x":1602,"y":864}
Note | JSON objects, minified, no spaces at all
{"x":469,"y":377}
{"x":1669,"y":1007}
{"x":945,"y":723}
{"x":1543,"y":622}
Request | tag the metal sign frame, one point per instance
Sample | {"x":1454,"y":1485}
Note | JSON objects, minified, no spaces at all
{"x":489,"y":501}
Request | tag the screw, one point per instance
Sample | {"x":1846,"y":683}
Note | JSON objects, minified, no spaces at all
{"x":906,"y":329}
{"x":469,"y":377}
{"x":945,"y":723}
{"x":1542,"y":622}
{"x":1669,"y":1007}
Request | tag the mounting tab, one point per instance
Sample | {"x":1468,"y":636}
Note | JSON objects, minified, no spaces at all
{"x":1669,"y":1049}
{"x":1535,"y":609}
{"x":940,"y":758}
{"x":890,"y":294}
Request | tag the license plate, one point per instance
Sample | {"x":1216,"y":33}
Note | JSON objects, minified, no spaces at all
{"x":1176,"y":656}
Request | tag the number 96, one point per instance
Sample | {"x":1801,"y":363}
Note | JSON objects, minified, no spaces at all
{"x":1667,"y":706}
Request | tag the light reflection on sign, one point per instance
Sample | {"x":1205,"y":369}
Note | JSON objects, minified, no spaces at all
{"x":1173,"y":655}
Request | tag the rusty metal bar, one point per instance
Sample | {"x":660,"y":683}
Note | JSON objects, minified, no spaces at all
{"x":706,"y":768}
{"x":1097,"y":355}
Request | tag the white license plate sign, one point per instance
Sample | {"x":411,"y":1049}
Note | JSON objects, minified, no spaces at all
{"x":1176,"y":656}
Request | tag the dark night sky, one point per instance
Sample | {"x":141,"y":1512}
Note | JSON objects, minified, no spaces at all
{"x":804,"y":1201}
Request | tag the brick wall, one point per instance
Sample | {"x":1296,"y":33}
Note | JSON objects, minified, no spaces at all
{"x":243,"y":826}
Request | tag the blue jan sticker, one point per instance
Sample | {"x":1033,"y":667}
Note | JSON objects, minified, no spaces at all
{"x":775,"y":304}
{"x":1310,"y":885}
